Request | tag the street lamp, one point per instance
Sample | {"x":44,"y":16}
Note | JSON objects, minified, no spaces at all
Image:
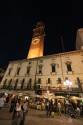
{"x":68,"y":84}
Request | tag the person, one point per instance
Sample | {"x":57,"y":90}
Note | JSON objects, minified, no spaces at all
{"x":12,"y":105}
{"x":59,"y":108}
{"x":77,"y":112}
{"x":17,"y":116}
{"x":1,"y":102}
{"x":47,"y":107}
{"x":66,"y":106}
{"x":25,"y":108}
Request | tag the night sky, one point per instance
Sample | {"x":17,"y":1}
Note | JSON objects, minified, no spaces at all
{"x":62,"y":19}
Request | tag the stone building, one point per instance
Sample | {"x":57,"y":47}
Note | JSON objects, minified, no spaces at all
{"x":53,"y":71}
{"x":61,"y":72}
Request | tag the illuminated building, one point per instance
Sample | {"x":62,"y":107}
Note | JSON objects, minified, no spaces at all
{"x":45,"y":72}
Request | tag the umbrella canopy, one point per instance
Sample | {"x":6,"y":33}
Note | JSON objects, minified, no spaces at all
{"x":74,"y":97}
{"x":59,"y":97}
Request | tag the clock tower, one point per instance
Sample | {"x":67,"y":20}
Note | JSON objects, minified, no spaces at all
{"x":37,"y":43}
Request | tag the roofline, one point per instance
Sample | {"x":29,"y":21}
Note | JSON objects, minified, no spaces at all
{"x":76,"y":51}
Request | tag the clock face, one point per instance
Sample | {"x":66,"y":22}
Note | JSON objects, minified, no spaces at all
{"x":36,"y":41}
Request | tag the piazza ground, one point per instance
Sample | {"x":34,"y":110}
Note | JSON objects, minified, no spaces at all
{"x":36,"y":117}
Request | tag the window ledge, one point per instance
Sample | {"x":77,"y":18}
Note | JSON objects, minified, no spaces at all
{"x":69,"y":72}
{"x":53,"y":73}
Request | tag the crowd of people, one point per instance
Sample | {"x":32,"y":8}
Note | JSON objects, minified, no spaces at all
{"x":58,"y":106}
{"x":19,"y":108}
{"x":68,"y":108}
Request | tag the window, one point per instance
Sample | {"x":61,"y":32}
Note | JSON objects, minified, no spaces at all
{"x":49,"y":81}
{"x":39,"y":81}
{"x":16,"y":84}
{"x":10,"y":69}
{"x":40,"y":69}
{"x":79,"y":84}
{"x":41,"y":61}
{"x":10,"y":81}
{"x":28,"y":69}
{"x":66,"y":78}
{"x":59,"y":80}
{"x":29,"y":86}
{"x":53,"y":67}
{"x":22,"y":83}
{"x":30,"y":62}
{"x":18,"y":70}
{"x":5,"y":81}
{"x":16,"y":81}
{"x":69,"y":68}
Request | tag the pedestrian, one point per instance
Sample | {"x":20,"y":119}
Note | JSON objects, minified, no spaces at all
{"x":77,"y":112}
{"x":1,"y":102}
{"x":47,"y":108}
{"x":59,"y":108}
{"x":17,"y":116}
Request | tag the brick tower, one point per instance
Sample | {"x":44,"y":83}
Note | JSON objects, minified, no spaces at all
{"x":37,"y":43}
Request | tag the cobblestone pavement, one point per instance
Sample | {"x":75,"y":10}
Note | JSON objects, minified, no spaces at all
{"x":36,"y":117}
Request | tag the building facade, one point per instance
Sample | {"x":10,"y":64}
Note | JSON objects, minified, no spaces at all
{"x":59,"y":72}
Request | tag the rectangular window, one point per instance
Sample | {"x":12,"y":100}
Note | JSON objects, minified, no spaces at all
{"x":30,"y":62}
{"x":18,"y":70}
{"x":40,"y":69}
{"x":59,"y":80}
{"x":28,"y":69}
{"x":53,"y":67}
{"x":29,"y":84}
{"x":10,"y":81}
{"x":22,"y":83}
{"x":66,"y":78}
{"x":79,"y":84}
{"x":39,"y":81}
{"x":4,"y":83}
{"x":10,"y":69}
{"x":40,"y":61}
{"x":30,"y":80}
{"x":49,"y":81}
{"x":69,"y":68}
{"x":16,"y":84}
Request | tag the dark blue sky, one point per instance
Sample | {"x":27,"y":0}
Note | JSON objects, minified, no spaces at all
{"x":17,"y":20}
